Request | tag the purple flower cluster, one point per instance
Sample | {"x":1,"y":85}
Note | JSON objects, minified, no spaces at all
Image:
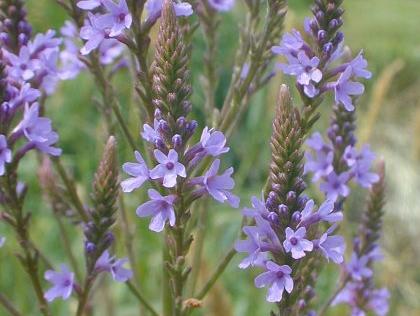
{"x":63,"y":282}
{"x":334,"y":183}
{"x":175,"y":163}
{"x":106,"y":20}
{"x":274,"y":239}
{"x":28,"y":70}
{"x":360,"y":293}
{"x":110,"y":51}
{"x":315,"y":65}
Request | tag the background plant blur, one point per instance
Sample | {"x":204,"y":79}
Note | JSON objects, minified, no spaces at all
{"x":388,"y":118}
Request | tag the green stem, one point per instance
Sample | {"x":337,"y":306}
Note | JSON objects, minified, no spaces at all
{"x":8,"y":306}
{"x":337,"y":291}
{"x":67,"y":247}
{"x":216,"y":274}
{"x":71,"y":189}
{"x":84,"y":296}
{"x":141,"y":298}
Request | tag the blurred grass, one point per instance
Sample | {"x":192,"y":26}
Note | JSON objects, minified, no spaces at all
{"x":386,"y":29}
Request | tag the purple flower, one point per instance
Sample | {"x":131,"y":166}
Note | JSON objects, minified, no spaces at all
{"x":222,"y":5}
{"x":22,"y":66}
{"x":138,"y":171}
{"x":290,"y":44}
{"x":161,"y":208}
{"x":154,"y":8}
{"x":378,"y":301}
{"x":332,"y":247}
{"x":114,"y":266}
{"x":296,"y":243}
{"x":2,"y":241}
{"x":44,"y":43}
{"x":345,"y":88}
{"x":118,"y":17}
{"x":258,"y":208}
{"x":23,"y":94}
{"x":93,"y":32}
{"x":359,"y":65}
{"x":110,"y":50}
{"x":213,"y":142}
{"x":361,"y":168}
{"x":319,"y":164}
{"x":251,"y":245}
{"x":89,"y":4}
{"x":62,"y":283}
{"x":277,"y":278}
{"x":38,"y":130}
{"x":5,"y":154}
{"x":325,"y":213}
{"x":357,"y":267}
{"x":336,"y":185}
{"x":168,"y":168}
{"x":219,"y":186}
{"x":306,"y":70}
{"x":350,"y":155}
{"x":149,"y":133}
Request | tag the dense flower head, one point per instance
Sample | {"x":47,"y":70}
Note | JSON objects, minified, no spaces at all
{"x":62,"y":283}
{"x":173,"y":165}
{"x":315,"y":63}
{"x":320,"y":163}
{"x":274,"y":235}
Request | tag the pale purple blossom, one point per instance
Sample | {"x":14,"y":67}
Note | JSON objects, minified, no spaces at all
{"x":332,"y":247}
{"x":22,"y":66}
{"x":277,"y":278}
{"x":296,"y":243}
{"x":306,"y":71}
{"x":5,"y":154}
{"x":149,"y":133}
{"x":62,"y":283}
{"x":325,"y":213}
{"x":251,"y":245}
{"x":357,"y":267}
{"x":222,"y":5}
{"x":138,"y":171}
{"x":154,"y":8}
{"x":168,"y":168}
{"x":320,"y":164}
{"x":219,"y":186}
{"x":2,"y":241}
{"x":379,"y":301}
{"x":336,"y":185}
{"x":161,"y":208}
{"x":89,"y":4}
{"x":345,"y":89}
{"x":213,"y":142}
{"x":258,"y":208}
{"x":117,"y":18}
{"x":38,"y":130}
{"x":93,"y":32}
{"x":361,"y":166}
{"x":290,"y":44}
{"x":359,"y":65}
{"x":110,"y":264}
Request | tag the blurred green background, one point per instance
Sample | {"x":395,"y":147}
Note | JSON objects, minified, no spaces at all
{"x":389,"y":118}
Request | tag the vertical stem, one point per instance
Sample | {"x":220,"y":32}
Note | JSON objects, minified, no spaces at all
{"x":166,"y":287}
{"x":67,"y":247}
